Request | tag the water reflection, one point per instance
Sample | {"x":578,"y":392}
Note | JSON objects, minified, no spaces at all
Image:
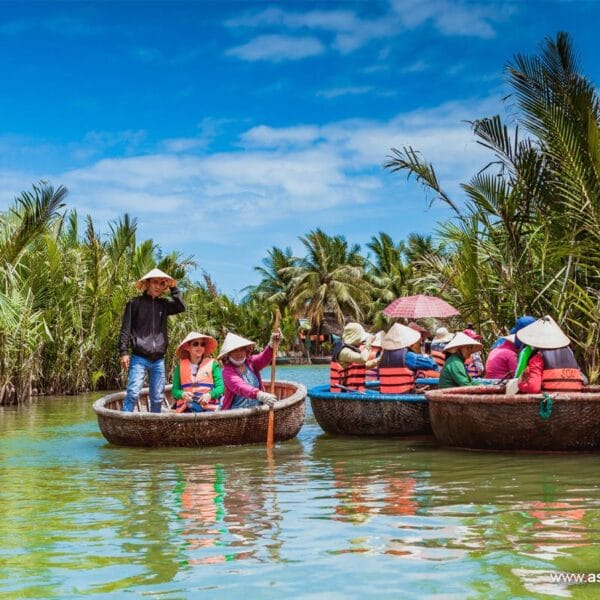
{"x":201,"y":493}
{"x":226,"y":515}
{"x":329,"y":515}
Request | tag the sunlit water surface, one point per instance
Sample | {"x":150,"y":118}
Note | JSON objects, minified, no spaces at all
{"x":332,"y":517}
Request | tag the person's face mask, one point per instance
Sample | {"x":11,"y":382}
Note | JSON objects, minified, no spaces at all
{"x":237,"y":362}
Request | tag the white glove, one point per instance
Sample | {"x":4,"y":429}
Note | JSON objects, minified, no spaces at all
{"x":276,"y":335}
{"x":266,"y":398}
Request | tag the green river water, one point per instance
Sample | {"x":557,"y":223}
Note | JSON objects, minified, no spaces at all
{"x":335,"y":517}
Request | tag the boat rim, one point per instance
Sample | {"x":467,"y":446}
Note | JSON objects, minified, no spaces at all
{"x":321,"y":392}
{"x":101,"y":410}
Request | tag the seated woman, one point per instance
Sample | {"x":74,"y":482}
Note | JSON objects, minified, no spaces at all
{"x":350,"y":360}
{"x":502,"y":360}
{"x":197,"y":381}
{"x":241,"y":372}
{"x":458,"y":350}
{"x":399,"y":360}
{"x":552,"y":366}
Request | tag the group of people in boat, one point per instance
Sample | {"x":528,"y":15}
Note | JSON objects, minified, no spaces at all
{"x":200,"y":382}
{"x":535,"y":354}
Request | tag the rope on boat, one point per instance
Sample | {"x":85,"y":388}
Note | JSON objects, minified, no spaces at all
{"x":545,"y":406}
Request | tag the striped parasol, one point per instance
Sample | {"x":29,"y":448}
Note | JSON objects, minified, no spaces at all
{"x":420,"y":306}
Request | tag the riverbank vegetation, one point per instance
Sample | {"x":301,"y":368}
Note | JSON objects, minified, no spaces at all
{"x":524,"y":239}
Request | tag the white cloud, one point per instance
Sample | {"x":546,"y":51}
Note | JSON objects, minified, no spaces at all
{"x":179,"y":145}
{"x":265,"y":136}
{"x":278,"y":48}
{"x":450,"y":17}
{"x":351,"y":31}
{"x":416,"y":67}
{"x":279,"y":183}
{"x":356,"y":90}
{"x":332,"y":20}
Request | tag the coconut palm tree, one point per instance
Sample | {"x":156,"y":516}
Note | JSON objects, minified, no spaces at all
{"x":330,"y":278}
{"x":527,"y":237}
{"x":276,"y":276}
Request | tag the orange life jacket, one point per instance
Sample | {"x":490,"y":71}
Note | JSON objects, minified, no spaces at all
{"x":372,"y":374}
{"x":352,"y":376}
{"x":561,"y":372}
{"x":439,"y":357}
{"x":428,"y":374}
{"x":201,"y":383}
{"x":394,"y":376}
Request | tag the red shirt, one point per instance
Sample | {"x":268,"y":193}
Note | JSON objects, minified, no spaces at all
{"x":531,"y":380}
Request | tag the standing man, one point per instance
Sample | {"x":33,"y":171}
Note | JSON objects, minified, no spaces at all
{"x":144,"y":330}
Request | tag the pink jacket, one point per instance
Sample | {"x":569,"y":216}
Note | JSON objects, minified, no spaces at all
{"x":235,"y":385}
{"x":502,"y":361}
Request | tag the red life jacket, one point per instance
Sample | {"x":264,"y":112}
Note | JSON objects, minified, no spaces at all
{"x":394,"y":376}
{"x":201,"y":383}
{"x":352,"y":376}
{"x":561,"y":372}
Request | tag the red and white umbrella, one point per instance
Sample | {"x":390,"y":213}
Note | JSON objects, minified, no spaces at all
{"x":420,"y":306}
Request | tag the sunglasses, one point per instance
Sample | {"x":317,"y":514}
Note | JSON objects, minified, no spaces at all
{"x":196,"y":343}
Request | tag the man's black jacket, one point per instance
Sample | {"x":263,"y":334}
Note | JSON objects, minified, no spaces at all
{"x":144,"y":327}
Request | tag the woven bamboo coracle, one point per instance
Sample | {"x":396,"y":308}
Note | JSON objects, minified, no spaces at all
{"x":371,"y":413}
{"x":483,"y":418}
{"x":228,"y":427}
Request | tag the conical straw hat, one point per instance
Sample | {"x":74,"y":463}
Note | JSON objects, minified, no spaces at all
{"x":509,"y":338}
{"x":378,"y":339}
{"x":154,"y":273}
{"x":233,"y":342}
{"x":211,"y":343}
{"x":442,"y":335}
{"x":544,"y":334}
{"x":399,"y":336}
{"x":461,"y":340}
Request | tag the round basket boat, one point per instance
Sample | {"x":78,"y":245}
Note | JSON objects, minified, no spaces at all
{"x":483,"y":418}
{"x":228,"y":427}
{"x":371,"y":413}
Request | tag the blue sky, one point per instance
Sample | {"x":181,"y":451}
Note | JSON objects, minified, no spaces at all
{"x":226,"y":128}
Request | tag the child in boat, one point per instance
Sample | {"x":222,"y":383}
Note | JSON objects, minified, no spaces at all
{"x":552,"y":366}
{"x":197,"y":380}
{"x":241,"y":372}
{"x":458,"y":350}
{"x":144,"y":330}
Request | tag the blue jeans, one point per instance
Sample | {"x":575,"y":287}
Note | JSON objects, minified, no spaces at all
{"x":138,"y":365}
{"x":240,"y":402}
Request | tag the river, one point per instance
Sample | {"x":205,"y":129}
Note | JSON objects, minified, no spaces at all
{"x":333,"y":517}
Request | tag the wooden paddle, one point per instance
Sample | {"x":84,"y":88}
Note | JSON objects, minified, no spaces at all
{"x":271,"y":422}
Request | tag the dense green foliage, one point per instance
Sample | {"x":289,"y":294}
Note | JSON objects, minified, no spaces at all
{"x":62,"y":295}
{"x":525,"y":240}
